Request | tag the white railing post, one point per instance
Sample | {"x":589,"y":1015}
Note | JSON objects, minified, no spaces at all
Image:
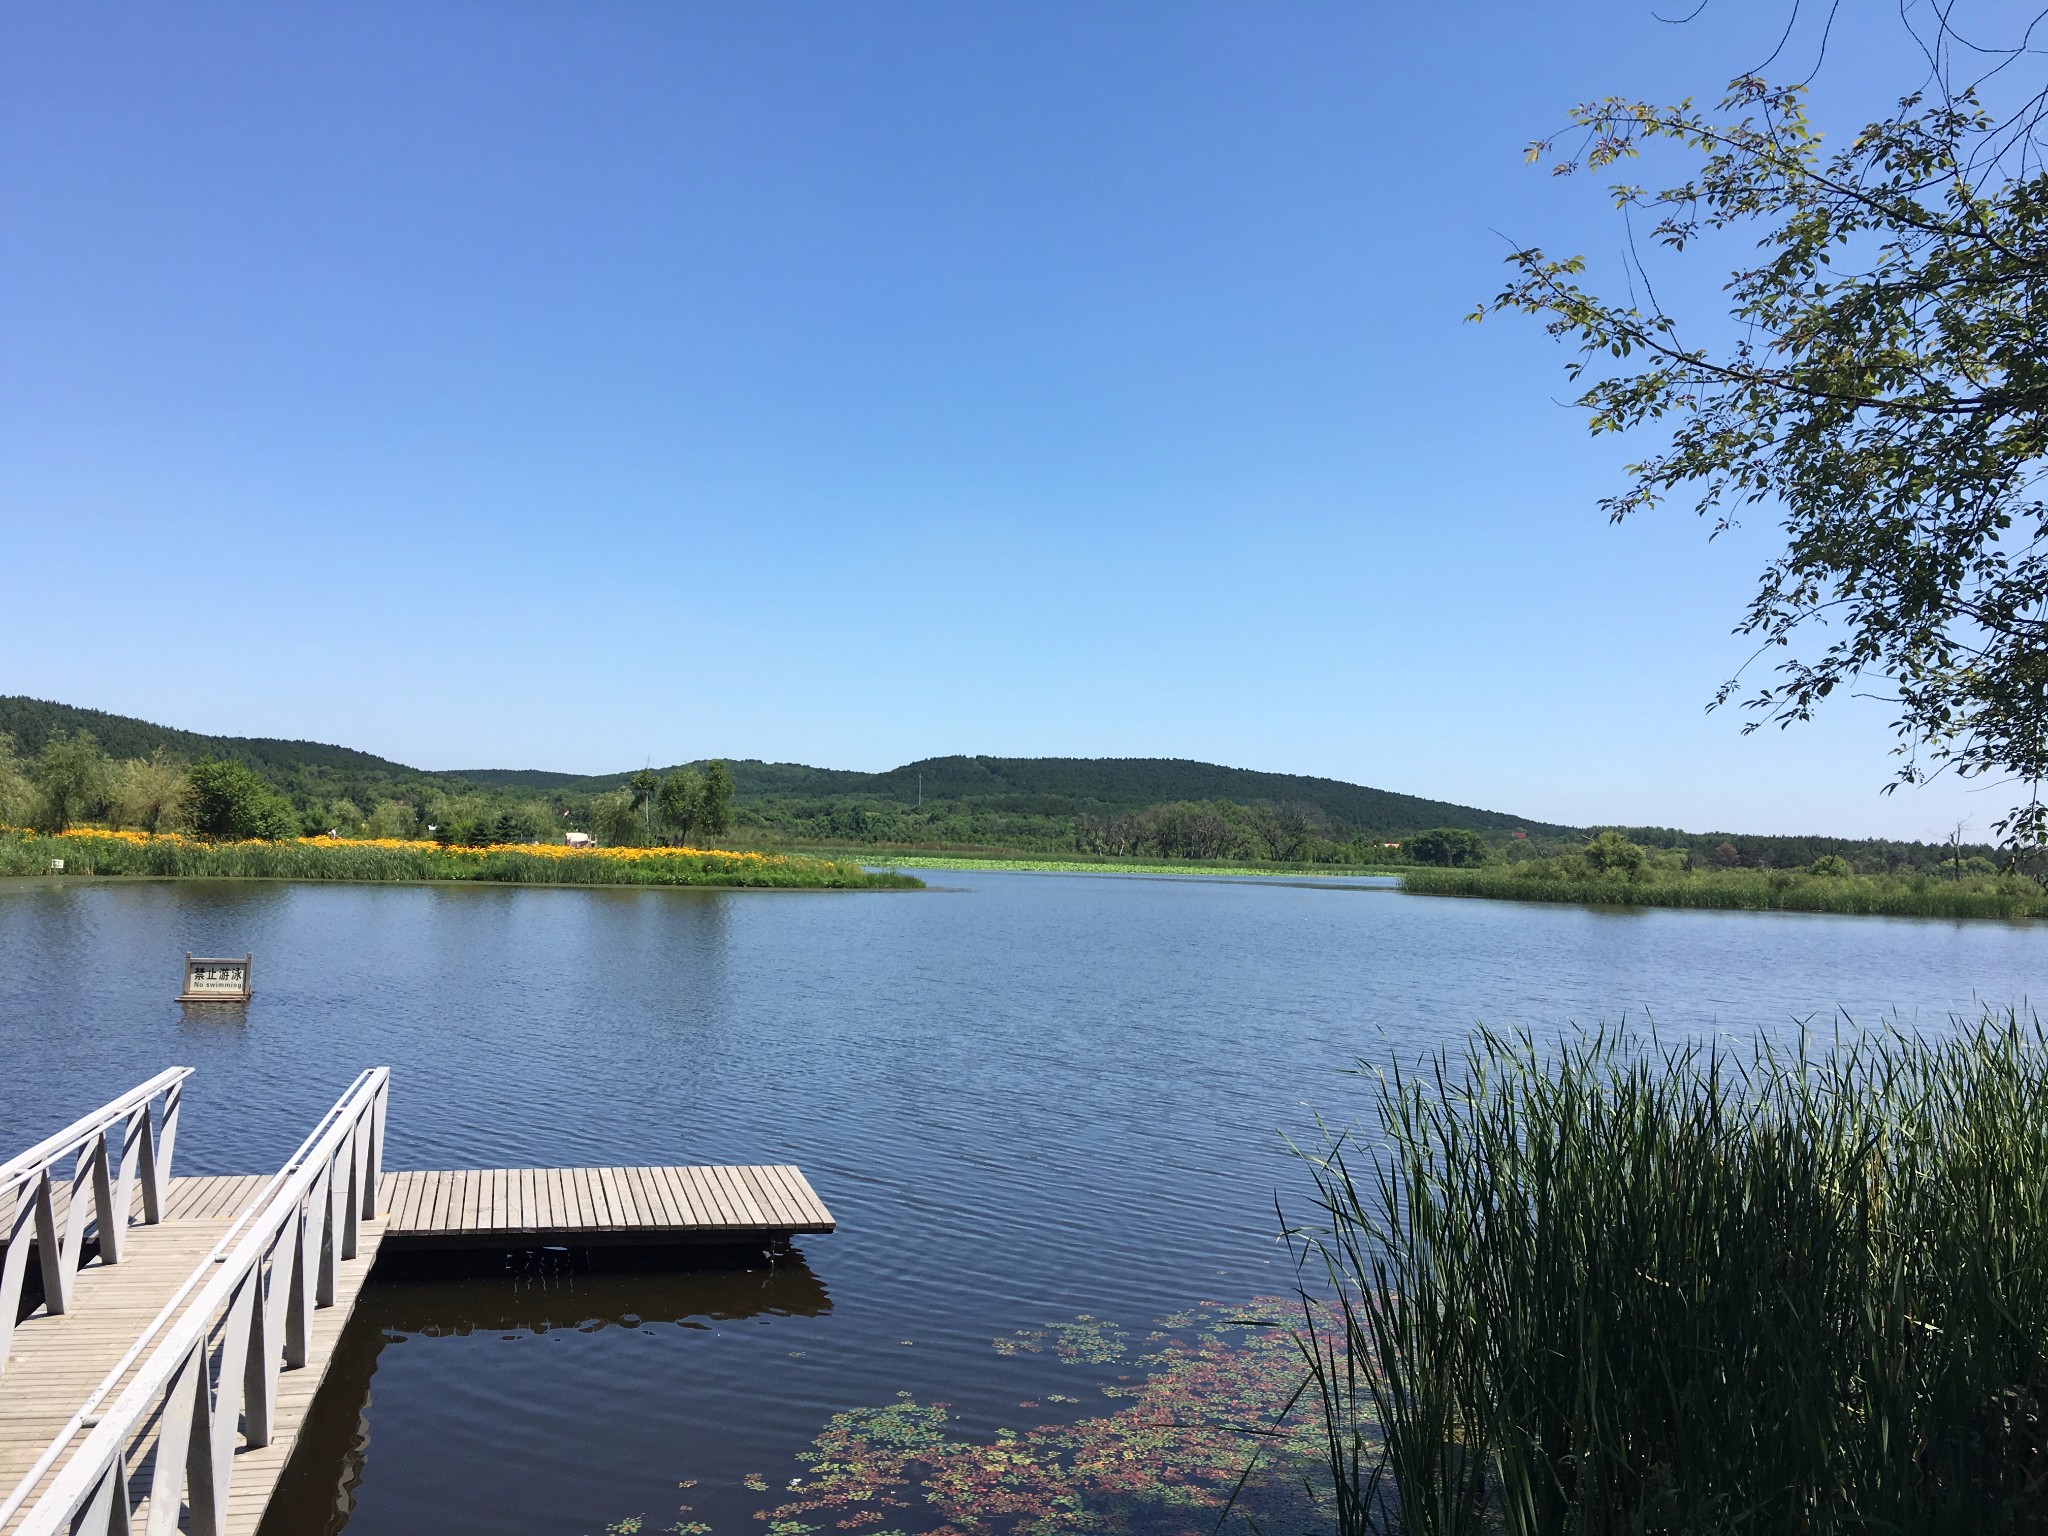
{"x":111,"y":1225}
{"x":134,"y":1137}
{"x":374,"y":1183}
{"x":60,"y":1253}
{"x":184,"y":1405}
{"x":228,"y":1384}
{"x":298,"y":1263}
{"x":107,"y":1514}
{"x":358,"y":1180}
{"x":260,"y":1396}
{"x":14,"y":1269}
{"x":320,"y":1230}
{"x":167,"y":1133}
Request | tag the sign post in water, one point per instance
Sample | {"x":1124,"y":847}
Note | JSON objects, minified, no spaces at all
{"x":216,"y":981}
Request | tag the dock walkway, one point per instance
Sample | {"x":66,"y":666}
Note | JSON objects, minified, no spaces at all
{"x":208,"y":1335}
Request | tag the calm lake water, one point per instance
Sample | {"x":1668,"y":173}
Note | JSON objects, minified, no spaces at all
{"x":1030,"y":1100}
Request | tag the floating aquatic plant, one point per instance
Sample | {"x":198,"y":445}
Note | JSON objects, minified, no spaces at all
{"x":1201,"y":1424}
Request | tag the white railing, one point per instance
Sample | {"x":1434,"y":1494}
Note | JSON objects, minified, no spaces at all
{"x":31,"y":1182}
{"x":211,"y":1383}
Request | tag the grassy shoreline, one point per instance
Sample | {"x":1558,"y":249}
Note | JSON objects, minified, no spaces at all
{"x":1060,"y":866}
{"x":87,"y":852}
{"x":1748,"y":890}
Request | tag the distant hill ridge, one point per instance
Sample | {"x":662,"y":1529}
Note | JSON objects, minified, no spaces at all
{"x":1038,"y":786}
{"x":31,"y":721}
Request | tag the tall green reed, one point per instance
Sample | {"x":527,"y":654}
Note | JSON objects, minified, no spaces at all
{"x":1610,"y":1286}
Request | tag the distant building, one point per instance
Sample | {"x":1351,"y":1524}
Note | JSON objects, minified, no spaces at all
{"x":578,"y":839}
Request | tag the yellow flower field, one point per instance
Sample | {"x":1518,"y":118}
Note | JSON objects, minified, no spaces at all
{"x":405,"y":844}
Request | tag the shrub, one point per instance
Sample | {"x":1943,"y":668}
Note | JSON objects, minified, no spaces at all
{"x":227,"y":801}
{"x":1610,"y":853}
{"x":1832,"y":865}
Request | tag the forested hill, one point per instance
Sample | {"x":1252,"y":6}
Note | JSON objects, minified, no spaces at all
{"x":31,"y":722}
{"x":1036,"y":789}
{"x":1109,"y":786}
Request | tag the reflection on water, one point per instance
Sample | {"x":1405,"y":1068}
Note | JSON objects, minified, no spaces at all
{"x":1025,"y":1098}
{"x":535,"y":1293}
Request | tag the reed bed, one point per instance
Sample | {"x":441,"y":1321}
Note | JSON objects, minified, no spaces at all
{"x":1612,"y":1287}
{"x":88,"y":852}
{"x":1754,"y":890}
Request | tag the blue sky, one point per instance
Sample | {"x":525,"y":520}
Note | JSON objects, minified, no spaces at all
{"x":582,"y":386}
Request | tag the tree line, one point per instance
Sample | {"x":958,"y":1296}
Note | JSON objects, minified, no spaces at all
{"x":72,"y":781}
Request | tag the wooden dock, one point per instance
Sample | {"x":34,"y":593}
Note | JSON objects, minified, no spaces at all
{"x":580,"y":1207}
{"x":267,"y":1268}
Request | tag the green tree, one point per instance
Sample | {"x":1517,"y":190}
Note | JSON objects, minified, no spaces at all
{"x":17,"y":790}
{"x":714,"y":804}
{"x":148,"y":790}
{"x":1189,"y":830}
{"x":1832,"y":865}
{"x":515,"y":824}
{"x":391,"y":818}
{"x":679,"y":799}
{"x":73,"y":779}
{"x":1611,"y":853}
{"x":644,"y":786}
{"x":1450,"y":847}
{"x":1883,"y":390}
{"x":1288,"y":831}
{"x":227,"y":800}
{"x":614,"y":819}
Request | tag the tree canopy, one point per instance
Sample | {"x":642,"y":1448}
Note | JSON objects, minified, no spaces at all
{"x":225,"y":799}
{"x":1883,"y":390}
{"x":73,"y":777}
{"x":1450,"y":847}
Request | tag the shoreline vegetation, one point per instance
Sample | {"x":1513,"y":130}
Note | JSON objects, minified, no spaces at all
{"x":1111,"y":866}
{"x":727,"y":824}
{"x":1969,"y":894}
{"x":1612,"y":871}
{"x":1606,"y":1285}
{"x":1618,"y":880}
{"x":169,"y":855}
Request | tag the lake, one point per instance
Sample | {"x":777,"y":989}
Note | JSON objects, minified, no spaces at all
{"x":1047,"y":1110}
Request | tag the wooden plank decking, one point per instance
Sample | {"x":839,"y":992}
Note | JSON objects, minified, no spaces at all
{"x":488,"y":1205}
